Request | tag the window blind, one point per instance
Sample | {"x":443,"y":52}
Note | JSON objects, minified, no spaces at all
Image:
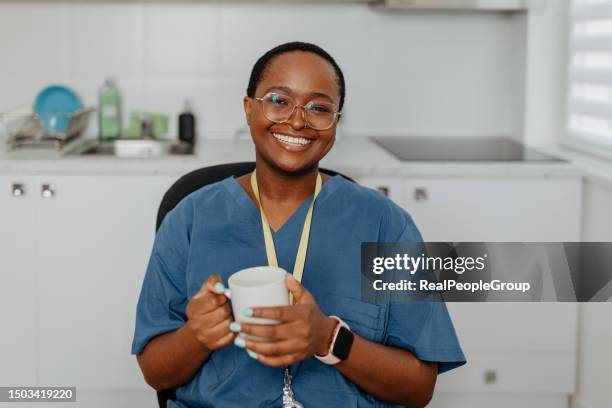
{"x":590,"y":73}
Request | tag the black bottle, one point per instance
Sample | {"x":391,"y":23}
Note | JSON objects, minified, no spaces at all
{"x":186,"y":124}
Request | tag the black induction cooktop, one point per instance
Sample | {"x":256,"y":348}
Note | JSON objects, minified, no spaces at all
{"x":461,"y":149}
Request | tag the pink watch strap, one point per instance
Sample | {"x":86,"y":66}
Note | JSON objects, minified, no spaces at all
{"x":329,"y":358}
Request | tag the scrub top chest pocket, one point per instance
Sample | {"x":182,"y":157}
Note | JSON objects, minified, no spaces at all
{"x":365,"y":319}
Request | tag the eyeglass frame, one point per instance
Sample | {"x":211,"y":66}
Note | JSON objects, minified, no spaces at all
{"x":336,"y":113}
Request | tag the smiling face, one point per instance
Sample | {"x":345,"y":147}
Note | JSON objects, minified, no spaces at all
{"x":293,"y":146}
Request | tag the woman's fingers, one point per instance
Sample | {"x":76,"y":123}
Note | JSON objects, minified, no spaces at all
{"x":217,"y":316}
{"x":207,"y":298}
{"x":281,"y":313}
{"x":208,"y":286}
{"x":213,"y":284}
{"x":273,"y":331}
{"x":281,"y":361}
{"x":216,"y":336}
{"x":299,"y":292}
{"x":277,"y":348}
{"x":220,"y":329}
{"x":225,"y":340}
{"x":207,"y":303}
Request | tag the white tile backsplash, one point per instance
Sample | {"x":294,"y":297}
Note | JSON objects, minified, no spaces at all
{"x":34,"y":39}
{"x":181,"y":39}
{"x":249,"y":30}
{"x":107,"y":39}
{"x":438,"y":106}
{"x":406,"y":73}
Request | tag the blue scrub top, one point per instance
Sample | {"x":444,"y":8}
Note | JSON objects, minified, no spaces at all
{"x":217,"y":229}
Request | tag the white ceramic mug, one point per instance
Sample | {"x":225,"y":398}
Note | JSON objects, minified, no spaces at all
{"x":260,"y":286}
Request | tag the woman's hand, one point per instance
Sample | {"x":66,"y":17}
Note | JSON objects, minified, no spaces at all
{"x":209,"y":316}
{"x":304,"y":330}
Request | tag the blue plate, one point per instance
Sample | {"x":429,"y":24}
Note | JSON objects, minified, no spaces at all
{"x":54,"y":106}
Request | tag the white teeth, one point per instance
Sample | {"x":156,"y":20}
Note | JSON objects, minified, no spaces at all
{"x":291,"y":140}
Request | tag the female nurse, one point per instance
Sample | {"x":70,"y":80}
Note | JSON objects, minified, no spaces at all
{"x":368,"y":354}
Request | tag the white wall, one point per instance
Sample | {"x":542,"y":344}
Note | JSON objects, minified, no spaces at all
{"x":407,"y":73}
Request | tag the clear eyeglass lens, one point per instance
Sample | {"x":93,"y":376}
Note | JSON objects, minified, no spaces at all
{"x":279,"y":108}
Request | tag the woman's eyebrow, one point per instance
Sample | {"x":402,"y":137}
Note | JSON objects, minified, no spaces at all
{"x":290,"y":91}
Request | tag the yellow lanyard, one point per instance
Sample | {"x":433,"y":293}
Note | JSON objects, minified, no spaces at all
{"x":300,"y":258}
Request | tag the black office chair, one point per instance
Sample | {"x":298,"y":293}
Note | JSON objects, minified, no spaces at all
{"x":189,"y":183}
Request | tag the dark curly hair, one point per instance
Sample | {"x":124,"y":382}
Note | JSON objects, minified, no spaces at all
{"x":258,"y":71}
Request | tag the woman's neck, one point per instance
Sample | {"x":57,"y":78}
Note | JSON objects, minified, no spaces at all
{"x":278,"y":186}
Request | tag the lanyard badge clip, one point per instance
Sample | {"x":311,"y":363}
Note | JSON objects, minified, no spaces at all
{"x":288,"y":399}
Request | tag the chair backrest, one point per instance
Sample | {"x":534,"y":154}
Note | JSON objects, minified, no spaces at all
{"x":186,"y":185}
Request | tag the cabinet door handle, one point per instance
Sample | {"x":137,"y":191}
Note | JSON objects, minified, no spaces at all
{"x":490,"y":376}
{"x":18,"y":189}
{"x":47,"y":190}
{"x":420,"y":194}
{"x":384,"y":190}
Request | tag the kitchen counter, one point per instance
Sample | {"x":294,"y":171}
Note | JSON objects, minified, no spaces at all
{"x":351,"y":155}
{"x":598,"y":169}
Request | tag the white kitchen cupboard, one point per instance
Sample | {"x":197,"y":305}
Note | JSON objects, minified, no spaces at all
{"x":534,"y":209}
{"x":18,"y":301}
{"x":96,"y":234}
{"x":508,"y":401}
{"x":495,"y":209}
{"x":75,"y":249}
{"x":519,"y":354}
{"x":78,"y":258}
{"x":390,"y":187}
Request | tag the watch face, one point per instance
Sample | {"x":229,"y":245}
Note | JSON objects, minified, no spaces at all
{"x":344,"y":341}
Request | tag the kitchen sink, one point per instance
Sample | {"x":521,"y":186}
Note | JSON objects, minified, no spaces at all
{"x":130,"y":148}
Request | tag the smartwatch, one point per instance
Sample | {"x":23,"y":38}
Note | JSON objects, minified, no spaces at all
{"x":340,"y":345}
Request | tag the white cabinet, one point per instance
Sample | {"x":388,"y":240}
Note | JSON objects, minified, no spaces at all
{"x":518,"y":353}
{"x":74,"y":253}
{"x":489,"y":209}
{"x":496,"y":209}
{"x":73,"y":263}
{"x":466,"y":400}
{"x":390,"y":187}
{"x":96,"y":234}
{"x":18,"y":301}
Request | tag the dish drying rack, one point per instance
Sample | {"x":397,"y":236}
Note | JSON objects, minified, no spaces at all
{"x":27,"y":129}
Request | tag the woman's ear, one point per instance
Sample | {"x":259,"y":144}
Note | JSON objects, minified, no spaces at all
{"x":248,"y":106}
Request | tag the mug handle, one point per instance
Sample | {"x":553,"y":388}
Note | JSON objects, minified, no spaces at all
{"x":227,"y":293}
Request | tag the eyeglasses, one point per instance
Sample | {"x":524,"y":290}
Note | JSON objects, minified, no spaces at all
{"x":318,"y":115}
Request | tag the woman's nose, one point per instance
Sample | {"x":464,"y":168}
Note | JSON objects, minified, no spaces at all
{"x":297,"y":120}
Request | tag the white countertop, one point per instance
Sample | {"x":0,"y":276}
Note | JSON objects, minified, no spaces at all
{"x":598,"y":169}
{"x":353,"y":156}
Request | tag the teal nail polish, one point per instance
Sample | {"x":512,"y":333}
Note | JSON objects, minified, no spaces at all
{"x":235,"y":327}
{"x":219,"y":288}
{"x":240,"y":342}
{"x":252,"y":354}
{"x":248,"y":312}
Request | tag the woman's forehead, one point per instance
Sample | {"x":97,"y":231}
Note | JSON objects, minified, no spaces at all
{"x":301,"y":72}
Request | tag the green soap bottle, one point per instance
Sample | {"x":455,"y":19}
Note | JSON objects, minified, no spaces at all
{"x":109,"y":111}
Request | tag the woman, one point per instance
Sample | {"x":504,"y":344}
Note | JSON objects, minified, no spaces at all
{"x":186,"y":337}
